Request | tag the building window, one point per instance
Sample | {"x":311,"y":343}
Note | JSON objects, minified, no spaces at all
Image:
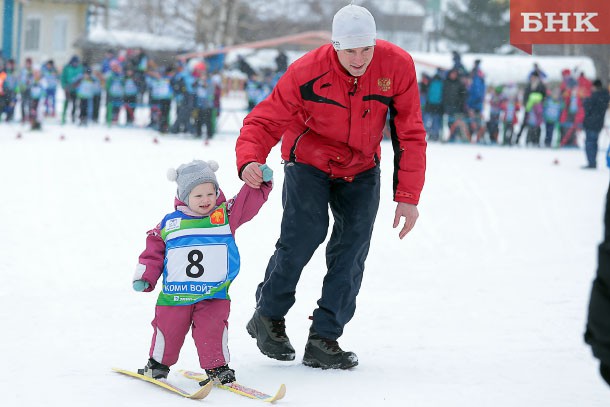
{"x":32,"y":34}
{"x":60,"y":33}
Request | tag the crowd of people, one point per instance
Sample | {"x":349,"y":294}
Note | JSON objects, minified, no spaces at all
{"x":504,"y":114}
{"x":123,"y":81}
{"x":457,"y":104}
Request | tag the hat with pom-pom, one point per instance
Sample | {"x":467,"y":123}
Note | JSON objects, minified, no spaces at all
{"x":353,"y":27}
{"x":188,"y":176}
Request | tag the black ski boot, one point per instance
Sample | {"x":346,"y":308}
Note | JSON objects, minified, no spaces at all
{"x":155,"y":370}
{"x":221,"y":374}
{"x":326,"y":354}
{"x":271,"y":337}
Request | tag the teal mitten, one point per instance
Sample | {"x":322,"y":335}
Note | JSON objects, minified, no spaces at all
{"x":267,"y":172}
{"x":140,"y":285}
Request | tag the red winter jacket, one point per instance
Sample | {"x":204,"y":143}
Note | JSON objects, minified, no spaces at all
{"x":334,"y":121}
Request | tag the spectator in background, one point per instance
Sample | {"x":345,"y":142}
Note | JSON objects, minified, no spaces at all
{"x":99,"y":82}
{"x":535,"y":85}
{"x":454,"y":100}
{"x":50,"y":78}
{"x":85,"y":92}
{"x":8,"y":86}
{"x":70,"y":76}
{"x":36,"y":91}
{"x":26,"y":77}
{"x":139,"y":62}
{"x":253,"y":90}
{"x":595,"y":112}
{"x":510,"y":106}
{"x":114,"y":92}
{"x":244,"y":66}
{"x":536,"y":70}
{"x":535,"y":117}
{"x":131,"y":95}
{"x":474,"y":101}
{"x":216,"y":83}
{"x":161,"y":97}
{"x":573,"y":113}
{"x":281,"y":62}
{"x":422,"y":85}
{"x":204,"y":103}
{"x":105,"y":65}
{"x":458,"y":65}
{"x":552,"y":106}
{"x":585,"y":86}
{"x":434,"y":107}
{"x":495,"y":111}
{"x":182,"y":89}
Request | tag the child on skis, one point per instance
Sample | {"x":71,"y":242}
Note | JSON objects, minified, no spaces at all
{"x":195,"y":251}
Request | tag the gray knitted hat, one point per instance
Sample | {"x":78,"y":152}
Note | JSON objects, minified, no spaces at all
{"x":188,"y":176}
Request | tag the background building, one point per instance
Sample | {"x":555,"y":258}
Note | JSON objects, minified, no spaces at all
{"x":46,"y":29}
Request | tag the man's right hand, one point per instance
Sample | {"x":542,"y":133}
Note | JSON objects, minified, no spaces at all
{"x":252,"y":175}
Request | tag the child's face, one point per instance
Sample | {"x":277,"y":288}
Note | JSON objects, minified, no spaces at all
{"x":202,"y":199}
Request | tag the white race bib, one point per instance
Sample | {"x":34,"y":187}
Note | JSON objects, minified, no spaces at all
{"x":202,"y":264}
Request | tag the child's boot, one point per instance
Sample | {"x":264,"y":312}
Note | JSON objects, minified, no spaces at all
{"x":221,"y":374}
{"x":155,"y":370}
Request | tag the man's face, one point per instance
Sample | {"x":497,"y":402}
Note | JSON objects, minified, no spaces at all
{"x":356,"y":60}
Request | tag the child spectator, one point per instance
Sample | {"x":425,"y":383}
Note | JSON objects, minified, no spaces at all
{"x":50,"y":78}
{"x":130,"y":89}
{"x":98,"y":80}
{"x":534,"y":115}
{"x":114,"y":92}
{"x":161,"y":97}
{"x":84,"y":93}
{"x":552,"y":110}
{"x":495,"y":110}
{"x":37,"y":93}
{"x":510,"y":106}
{"x":434,"y":107}
{"x":204,"y":99}
{"x":25,"y":82}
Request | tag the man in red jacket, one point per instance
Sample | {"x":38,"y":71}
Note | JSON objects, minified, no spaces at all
{"x":329,"y":109}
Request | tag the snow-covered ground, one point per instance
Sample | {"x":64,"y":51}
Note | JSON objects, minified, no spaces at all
{"x":483,"y":304}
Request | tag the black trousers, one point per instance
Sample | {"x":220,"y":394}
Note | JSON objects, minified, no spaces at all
{"x":597,"y":333}
{"x":306,"y":196}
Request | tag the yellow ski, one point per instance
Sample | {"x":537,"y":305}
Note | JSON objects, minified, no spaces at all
{"x":198,"y":395}
{"x":239,"y":388}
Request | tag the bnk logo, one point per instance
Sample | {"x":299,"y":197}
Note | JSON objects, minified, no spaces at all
{"x":558,"y":22}
{"x":563,"y":22}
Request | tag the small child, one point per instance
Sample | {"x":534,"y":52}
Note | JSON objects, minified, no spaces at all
{"x":195,"y":251}
{"x":37,"y":94}
{"x":84,"y":93}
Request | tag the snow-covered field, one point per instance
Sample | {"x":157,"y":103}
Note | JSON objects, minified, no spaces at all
{"x":483,"y":304}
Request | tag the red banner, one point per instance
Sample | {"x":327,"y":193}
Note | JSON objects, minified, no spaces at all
{"x":559,"y":22}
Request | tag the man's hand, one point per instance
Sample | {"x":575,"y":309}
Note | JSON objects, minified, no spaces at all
{"x":410,"y":213}
{"x":252,"y":175}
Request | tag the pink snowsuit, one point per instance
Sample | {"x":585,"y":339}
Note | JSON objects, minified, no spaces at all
{"x":209,"y":317}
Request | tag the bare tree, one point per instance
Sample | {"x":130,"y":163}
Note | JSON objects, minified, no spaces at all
{"x":208,"y":23}
{"x":214,"y":23}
